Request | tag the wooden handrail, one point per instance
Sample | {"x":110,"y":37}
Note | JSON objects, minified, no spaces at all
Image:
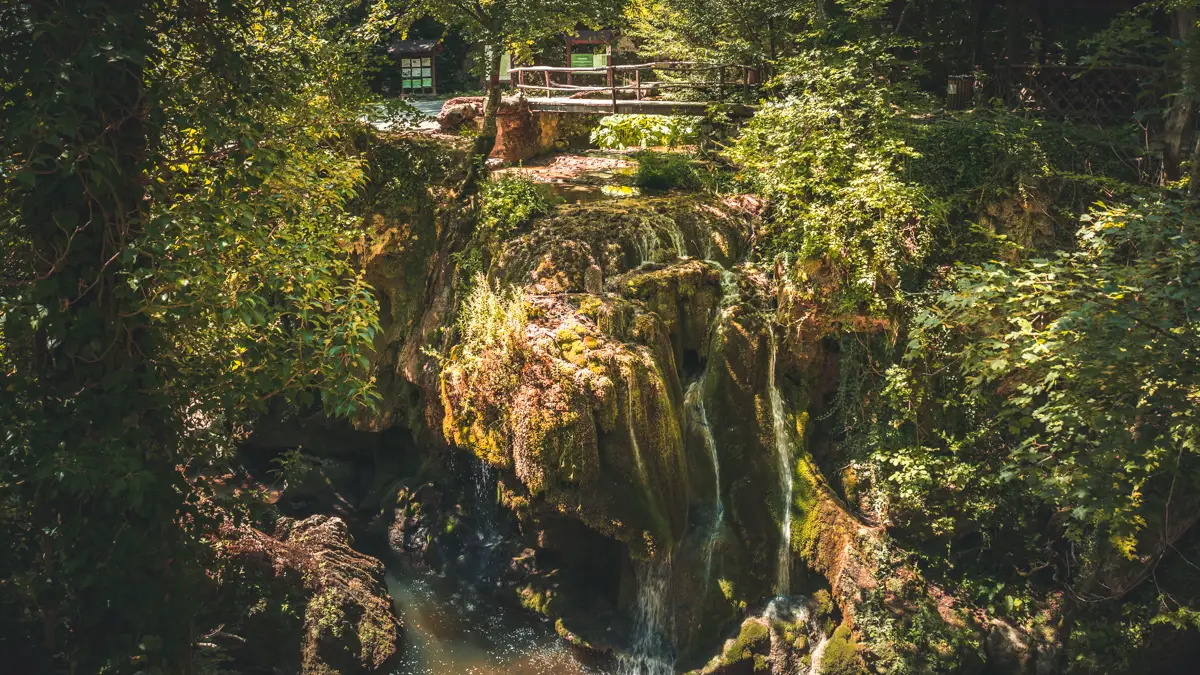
{"x":647,"y":84}
{"x":615,"y":84}
{"x":657,"y":65}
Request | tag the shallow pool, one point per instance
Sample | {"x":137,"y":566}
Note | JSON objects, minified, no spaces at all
{"x":453,"y":630}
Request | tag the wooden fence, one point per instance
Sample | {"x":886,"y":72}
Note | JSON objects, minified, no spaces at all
{"x":720,"y":82}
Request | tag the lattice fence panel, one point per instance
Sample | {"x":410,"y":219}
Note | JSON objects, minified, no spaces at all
{"x":1103,"y":95}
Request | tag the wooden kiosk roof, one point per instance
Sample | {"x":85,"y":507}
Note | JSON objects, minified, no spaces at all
{"x":589,"y":37}
{"x":415,"y":47}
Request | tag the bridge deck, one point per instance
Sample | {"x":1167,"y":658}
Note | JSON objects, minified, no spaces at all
{"x":604,"y":106}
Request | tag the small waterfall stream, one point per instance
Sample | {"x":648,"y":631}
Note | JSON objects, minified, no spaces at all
{"x":651,"y":647}
{"x":783,"y":444}
{"x":651,"y":652}
{"x":489,"y":537}
{"x":817,"y":653}
{"x":694,"y":402}
{"x":633,"y":442}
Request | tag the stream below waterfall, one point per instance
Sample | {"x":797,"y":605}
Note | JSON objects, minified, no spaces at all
{"x":450,"y":629}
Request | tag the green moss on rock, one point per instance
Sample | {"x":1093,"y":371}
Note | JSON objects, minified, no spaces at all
{"x":753,"y":638}
{"x":841,"y":655}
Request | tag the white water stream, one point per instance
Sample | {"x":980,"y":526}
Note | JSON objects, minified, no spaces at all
{"x":650,"y":653}
{"x":631,"y":383}
{"x":694,"y":403}
{"x":783,"y":444}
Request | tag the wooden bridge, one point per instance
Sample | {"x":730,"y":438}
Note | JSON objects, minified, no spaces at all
{"x":625,"y":90}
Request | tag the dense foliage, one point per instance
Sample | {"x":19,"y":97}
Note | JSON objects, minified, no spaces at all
{"x":506,"y":204}
{"x":1026,"y":425}
{"x":174,"y":182}
{"x":618,"y":132}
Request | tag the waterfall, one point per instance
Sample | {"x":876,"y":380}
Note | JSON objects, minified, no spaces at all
{"x":485,"y":490}
{"x":651,"y":240}
{"x":694,"y":402}
{"x":815,"y":656}
{"x":676,"y":237}
{"x":650,"y":653}
{"x":783,"y":574}
{"x":488,"y":535}
{"x":633,"y":442}
{"x":646,"y":242}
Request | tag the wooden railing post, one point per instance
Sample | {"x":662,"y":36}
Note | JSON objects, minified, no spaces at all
{"x":612,"y":84}
{"x":549,"y":94}
{"x":637,"y":79}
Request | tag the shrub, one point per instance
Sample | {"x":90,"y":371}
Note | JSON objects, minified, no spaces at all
{"x":666,"y":170}
{"x":617,"y":132}
{"x":829,"y":157}
{"x":507,"y":203}
{"x":491,"y":322}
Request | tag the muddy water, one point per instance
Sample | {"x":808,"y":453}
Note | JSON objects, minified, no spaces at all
{"x":451,"y":630}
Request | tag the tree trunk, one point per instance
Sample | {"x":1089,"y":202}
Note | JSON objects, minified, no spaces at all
{"x":1014,"y":37}
{"x":1178,"y":122}
{"x":979,"y":12}
{"x":485,"y":142}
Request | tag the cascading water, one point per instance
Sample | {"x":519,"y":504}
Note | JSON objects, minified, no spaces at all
{"x":694,"y":401}
{"x":783,"y":573}
{"x":650,"y":653}
{"x":488,"y":535}
{"x":645,"y":242}
{"x":484,"y":477}
{"x":676,"y":237}
{"x":651,"y":241}
{"x":633,"y":442}
{"x":817,"y":654}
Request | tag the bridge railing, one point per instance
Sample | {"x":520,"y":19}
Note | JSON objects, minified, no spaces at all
{"x":721,"y":79}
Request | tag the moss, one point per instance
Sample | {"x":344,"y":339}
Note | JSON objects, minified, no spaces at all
{"x":570,"y":637}
{"x":841,"y":654}
{"x":823,"y":609}
{"x":754,"y":635}
{"x":534,"y":600}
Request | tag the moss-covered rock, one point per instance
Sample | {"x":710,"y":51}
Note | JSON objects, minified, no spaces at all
{"x":410,"y":182}
{"x":618,"y":236}
{"x":587,"y":422}
{"x":347,"y":626}
{"x":841,"y":655}
{"x":744,"y":653}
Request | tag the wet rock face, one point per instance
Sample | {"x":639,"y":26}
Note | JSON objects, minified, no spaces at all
{"x":588,"y":423}
{"x":619,"y":236}
{"x":589,"y":414}
{"x":626,"y":304}
{"x":414,"y":521}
